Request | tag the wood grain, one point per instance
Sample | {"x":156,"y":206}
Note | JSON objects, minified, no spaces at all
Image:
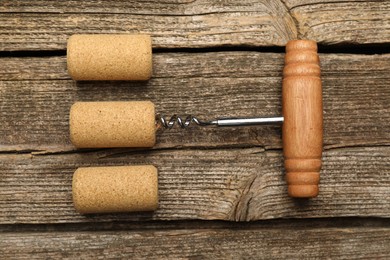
{"x":45,"y":25}
{"x":232,"y":184}
{"x":36,"y":95}
{"x":173,"y":24}
{"x":342,"y":22}
{"x":270,"y":243}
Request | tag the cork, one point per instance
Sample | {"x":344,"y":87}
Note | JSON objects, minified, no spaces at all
{"x":112,"y":124}
{"x":109,"y":57}
{"x":115,"y":189}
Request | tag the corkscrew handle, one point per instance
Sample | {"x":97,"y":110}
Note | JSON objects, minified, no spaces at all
{"x":302,"y":111}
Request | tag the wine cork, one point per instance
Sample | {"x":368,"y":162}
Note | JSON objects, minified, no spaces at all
{"x":109,"y":57}
{"x":112,"y":124}
{"x":115,"y":189}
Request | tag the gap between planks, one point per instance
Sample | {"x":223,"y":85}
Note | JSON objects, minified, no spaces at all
{"x":281,"y":224}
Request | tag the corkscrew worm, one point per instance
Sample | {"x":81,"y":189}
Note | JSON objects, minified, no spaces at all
{"x":162,"y":121}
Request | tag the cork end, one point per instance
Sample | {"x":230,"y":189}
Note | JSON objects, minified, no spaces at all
{"x":112,"y":124}
{"x":115,"y":189}
{"x":109,"y":57}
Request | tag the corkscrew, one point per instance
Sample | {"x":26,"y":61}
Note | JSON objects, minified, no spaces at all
{"x":162,"y":121}
{"x":135,"y":123}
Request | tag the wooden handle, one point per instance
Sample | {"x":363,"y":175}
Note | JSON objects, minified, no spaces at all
{"x":302,"y":111}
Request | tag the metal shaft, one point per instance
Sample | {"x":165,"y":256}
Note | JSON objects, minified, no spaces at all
{"x":247,"y":121}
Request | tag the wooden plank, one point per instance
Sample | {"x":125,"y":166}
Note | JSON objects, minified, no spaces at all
{"x":36,"y":94}
{"x":233,"y":184}
{"x":270,"y":243}
{"x":183,"y":24}
{"x":45,"y":25}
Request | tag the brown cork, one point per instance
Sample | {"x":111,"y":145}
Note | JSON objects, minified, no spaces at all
{"x":115,"y":189}
{"x":109,"y":57}
{"x":112,"y":124}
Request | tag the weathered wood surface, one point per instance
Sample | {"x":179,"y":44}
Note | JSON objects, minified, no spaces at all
{"x":230,"y":184}
{"x":234,"y":184}
{"x":45,"y":25}
{"x":36,"y":94}
{"x":296,"y":241}
{"x":206,"y":174}
{"x":341,"y":22}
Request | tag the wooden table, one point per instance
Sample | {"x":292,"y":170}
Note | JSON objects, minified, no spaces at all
{"x":222,"y":192}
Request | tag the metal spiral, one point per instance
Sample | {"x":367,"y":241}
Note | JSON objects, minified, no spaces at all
{"x":162,"y":121}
